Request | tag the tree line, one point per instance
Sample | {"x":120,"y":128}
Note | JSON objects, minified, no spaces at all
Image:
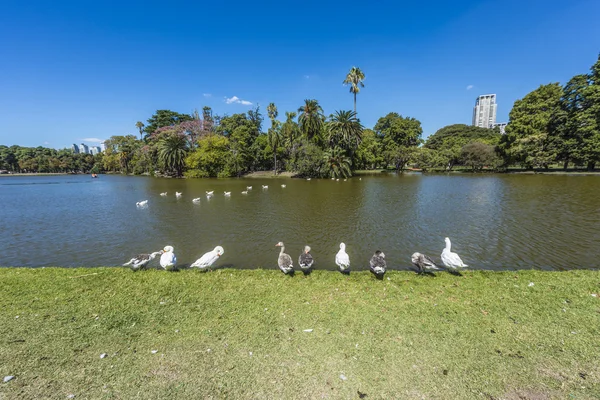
{"x":552,"y":124}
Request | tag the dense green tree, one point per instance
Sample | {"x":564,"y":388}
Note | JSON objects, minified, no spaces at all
{"x":172,"y":151}
{"x":308,"y":160}
{"x":478,"y":155}
{"x":449,"y":141}
{"x":311,"y":120}
{"x":369,"y":153}
{"x":290,"y":133}
{"x":527,"y":140}
{"x":162,"y":118}
{"x":355,"y":79}
{"x":399,"y":136}
{"x":337,"y":164}
{"x":211,"y":158}
{"x":344,"y":130}
{"x":119,"y":151}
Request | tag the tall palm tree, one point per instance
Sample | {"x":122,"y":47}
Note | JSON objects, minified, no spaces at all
{"x":345,"y":130}
{"x":337,"y":164}
{"x":290,"y":131}
{"x":140,"y":126}
{"x":355,"y":79}
{"x":310,"y":118}
{"x":274,"y":133}
{"x":172,"y":150}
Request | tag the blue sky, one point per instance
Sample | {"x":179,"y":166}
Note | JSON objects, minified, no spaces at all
{"x":77,"y":70}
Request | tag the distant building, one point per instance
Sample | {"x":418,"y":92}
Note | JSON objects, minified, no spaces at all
{"x":502,"y":126}
{"x":75,"y":148}
{"x":83,"y":149}
{"x":484,"y":112}
{"x":95,"y":150}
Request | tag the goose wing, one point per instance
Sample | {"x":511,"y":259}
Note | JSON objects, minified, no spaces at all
{"x":342,"y":259}
{"x":305,"y":260}
{"x":377,"y":262}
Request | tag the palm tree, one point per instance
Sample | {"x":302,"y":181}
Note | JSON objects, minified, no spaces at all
{"x":140,"y":126}
{"x":172,"y":150}
{"x":274,"y":133}
{"x":345,"y":130}
{"x":355,"y":79}
{"x":290,"y":131}
{"x":337,"y":164}
{"x":310,"y":118}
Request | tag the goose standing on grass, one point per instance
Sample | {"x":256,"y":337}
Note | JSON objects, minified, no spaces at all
{"x":451,"y":260}
{"x":342,"y":259}
{"x":178,"y":194}
{"x":286,"y":265}
{"x":377,"y":264}
{"x":424,"y":263}
{"x":196,"y":200}
{"x":210,"y":193}
{"x":306,"y":259}
{"x":208,"y":259}
{"x":142,"y":203}
{"x":163,"y":194}
{"x":141,"y":260}
{"x":227,"y":194}
{"x":168,"y":259}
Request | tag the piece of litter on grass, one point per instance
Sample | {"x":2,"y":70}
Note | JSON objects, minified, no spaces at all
{"x":103,"y":355}
{"x":308,"y":330}
{"x":71,"y":396}
{"x":17,"y":317}
{"x":208,"y":350}
{"x":343,"y":377}
{"x":176,"y":330}
{"x":250,"y":353}
{"x":530,"y":284}
{"x":163,"y":302}
{"x":389,"y":278}
{"x":573,"y":333}
{"x":154,"y":351}
{"x":8,"y":378}
{"x":594,"y":295}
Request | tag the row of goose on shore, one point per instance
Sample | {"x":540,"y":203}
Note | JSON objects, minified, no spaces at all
{"x":377,"y":263}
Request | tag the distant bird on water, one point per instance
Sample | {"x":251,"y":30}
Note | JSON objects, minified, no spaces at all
{"x":248,"y":187}
{"x":342,"y":259}
{"x":168,"y":259}
{"x":210,"y":193}
{"x":283,"y":186}
{"x":450,"y":259}
{"x":424,"y":263}
{"x":227,"y":194}
{"x":284,"y":261}
{"x":163,"y":194}
{"x":142,"y":203}
{"x":208,"y":259}
{"x":196,"y":200}
{"x":244,"y":192}
{"x":178,"y":194}
{"x":265,"y":186}
{"x":306,"y":259}
{"x":377,"y":264}
{"x":141,"y":260}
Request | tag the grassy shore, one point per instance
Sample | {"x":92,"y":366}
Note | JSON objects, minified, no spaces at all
{"x":259,"y":334}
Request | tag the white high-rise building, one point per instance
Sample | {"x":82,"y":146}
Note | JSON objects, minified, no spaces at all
{"x":75,"y":148}
{"x":95,"y":150}
{"x":83,"y":149}
{"x":484,"y":112}
{"x":502,"y":126}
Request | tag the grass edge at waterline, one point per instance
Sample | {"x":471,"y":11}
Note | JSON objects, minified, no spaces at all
{"x":258,"y":333}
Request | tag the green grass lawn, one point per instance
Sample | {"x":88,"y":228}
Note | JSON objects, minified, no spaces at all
{"x":241,"y":334}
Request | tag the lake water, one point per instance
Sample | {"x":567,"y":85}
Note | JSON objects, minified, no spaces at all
{"x":494,"y":221}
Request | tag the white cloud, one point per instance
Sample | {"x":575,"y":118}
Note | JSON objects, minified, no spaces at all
{"x":237,"y":100}
{"x":93,"y":140}
{"x":470,"y":87}
{"x":206,"y":94}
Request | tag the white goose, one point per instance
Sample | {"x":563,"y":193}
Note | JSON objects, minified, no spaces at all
{"x":377,"y":264}
{"x":308,"y":179}
{"x":141,"y":260}
{"x":142,"y":203}
{"x":306,"y":259}
{"x":227,"y":194}
{"x":248,"y":187}
{"x":163,"y":194}
{"x":196,"y":200}
{"x":210,"y":193}
{"x":178,"y":194}
{"x":208,"y":259}
{"x":342,"y":259}
{"x":168,"y":259}
{"x":286,"y":265}
{"x":283,"y":186}
{"x":424,"y":263}
{"x":244,"y":192}
{"x":265,"y":186}
{"x":450,"y":259}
